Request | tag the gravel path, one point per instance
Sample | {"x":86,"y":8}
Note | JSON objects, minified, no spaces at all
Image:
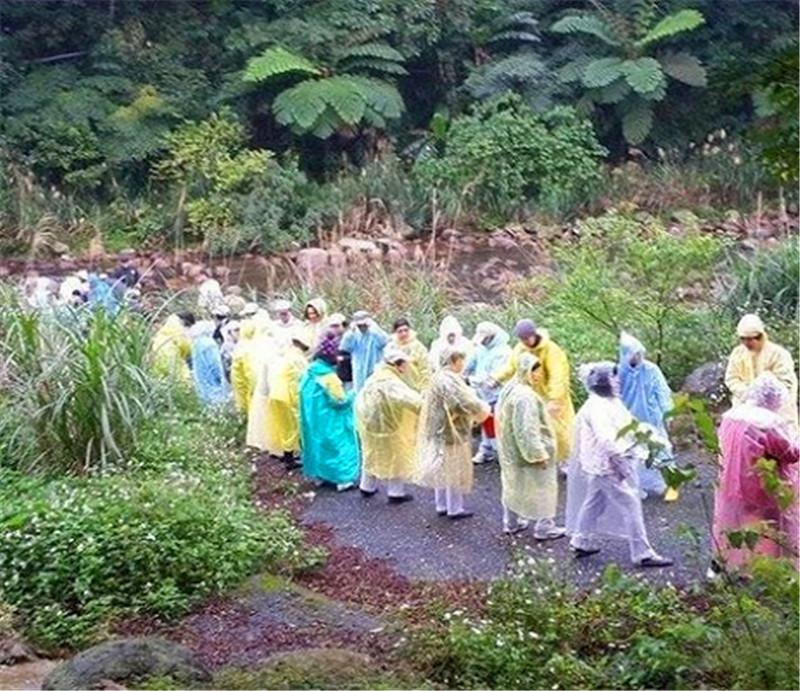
{"x":423,"y":546}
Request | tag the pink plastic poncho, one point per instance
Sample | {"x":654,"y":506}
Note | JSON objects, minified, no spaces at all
{"x":749,"y":432}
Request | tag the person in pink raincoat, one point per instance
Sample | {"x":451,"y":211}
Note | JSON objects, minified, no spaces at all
{"x":749,"y":432}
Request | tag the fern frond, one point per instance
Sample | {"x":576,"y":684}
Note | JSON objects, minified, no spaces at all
{"x":276,"y":62}
{"x":512,"y":35}
{"x":300,"y":106}
{"x":381,"y":51}
{"x":676,"y":23}
{"x":637,"y":121}
{"x":612,"y":93}
{"x":374,"y":65}
{"x":573,"y":70}
{"x":684,"y":67}
{"x":602,"y":72}
{"x":585,"y":24}
{"x":644,"y":75}
{"x":523,"y":18}
{"x":519,"y":73}
{"x":381,"y":97}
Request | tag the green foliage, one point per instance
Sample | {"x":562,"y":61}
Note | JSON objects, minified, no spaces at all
{"x":503,"y":155}
{"x":75,"y":390}
{"x":618,"y":71}
{"x":276,"y":62}
{"x":538,"y":632}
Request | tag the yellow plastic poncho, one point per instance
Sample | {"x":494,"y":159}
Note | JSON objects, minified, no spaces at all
{"x":243,"y":366}
{"x":444,"y":445}
{"x":744,"y":366}
{"x":264,"y":350}
{"x":171,"y":349}
{"x":282,"y":429}
{"x":418,"y":374}
{"x":553,"y":387}
{"x":387,"y":413}
{"x":526,"y":447}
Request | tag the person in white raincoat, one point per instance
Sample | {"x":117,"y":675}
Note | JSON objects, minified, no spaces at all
{"x":526,"y":451}
{"x":451,"y":335}
{"x":602,"y":488}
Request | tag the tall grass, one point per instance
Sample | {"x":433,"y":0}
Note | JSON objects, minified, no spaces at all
{"x":74,"y":390}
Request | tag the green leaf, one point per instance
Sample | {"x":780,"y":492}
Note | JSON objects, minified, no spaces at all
{"x":382,"y":51}
{"x":381,"y":97}
{"x":276,"y":62}
{"x":345,"y":97}
{"x":637,"y":121}
{"x":573,"y":71}
{"x":684,"y":67}
{"x":585,"y":24}
{"x":602,"y":72}
{"x":644,"y":75}
{"x":684,"y":20}
{"x":613,"y":93}
{"x":300,"y":106}
{"x":375,"y":65}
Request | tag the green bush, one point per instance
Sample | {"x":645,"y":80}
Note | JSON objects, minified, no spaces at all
{"x":540,"y":632}
{"x":77,"y":552}
{"x":504,"y":156}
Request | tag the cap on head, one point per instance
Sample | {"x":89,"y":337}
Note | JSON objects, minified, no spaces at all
{"x":361,"y":318}
{"x":525,"y":328}
{"x":749,"y":326}
{"x":394,"y":356}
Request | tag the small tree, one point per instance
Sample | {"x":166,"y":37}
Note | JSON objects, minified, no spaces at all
{"x":623,"y":65}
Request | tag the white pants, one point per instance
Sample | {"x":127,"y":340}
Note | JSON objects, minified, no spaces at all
{"x":512,"y":520}
{"x":606,"y":489}
{"x":394,"y":487}
{"x":449,"y":500}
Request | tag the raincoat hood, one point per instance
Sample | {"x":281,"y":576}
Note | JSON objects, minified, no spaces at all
{"x":319,"y":305}
{"x":450,"y":325}
{"x":526,"y":362}
{"x":628,"y":347}
{"x":202,"y":328}
{"x":597,"y":375}
{"x":750,"y":325}
{"x":500,"y":337}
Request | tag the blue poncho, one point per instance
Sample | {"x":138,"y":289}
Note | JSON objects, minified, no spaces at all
{"x":209,"y":377}
{"x":366,"y":350}
{"x":327,"y":432}
{"x":486,"y":359}
{"x":646,"y":394}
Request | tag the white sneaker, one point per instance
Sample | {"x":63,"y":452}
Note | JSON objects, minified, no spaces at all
{"x":550,"y":534}
{"x":479,"y":458}
{"x":343,"y":487}
{"x":521,"y":525}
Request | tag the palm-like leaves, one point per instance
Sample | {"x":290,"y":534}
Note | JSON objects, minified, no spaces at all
{"x":321,"y":104}
{"x":621,"y":73}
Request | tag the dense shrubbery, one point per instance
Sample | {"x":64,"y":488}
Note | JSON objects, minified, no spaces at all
{"x":539,"y":632}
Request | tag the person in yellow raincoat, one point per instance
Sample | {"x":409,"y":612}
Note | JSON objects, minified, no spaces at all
{"x":444,"y":448}
{"x":283,"y":404}
{"x":243,"y":366}
{"x":265,"y":351}
{"x":417,"y":373}
{"x":755,"y":355}
{"x":387,"y":412}
{"x":171,"y":348}
{"x":526,"y":451}
{"x":554,"y":384}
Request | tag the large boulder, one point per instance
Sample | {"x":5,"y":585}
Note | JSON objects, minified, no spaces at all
{"x":312,"y":261}
{"x":128,"y":659}
{"x":707,"y":382}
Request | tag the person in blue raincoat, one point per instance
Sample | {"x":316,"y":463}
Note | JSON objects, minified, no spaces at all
{"x":646,"y":394}
{"x":491,"y":352}
{"x":207,"y":371}
{"x":327,"y":430}
{"x":364,"y":342}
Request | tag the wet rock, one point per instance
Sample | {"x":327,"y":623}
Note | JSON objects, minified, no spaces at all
{"x":221,"y":272}
{"x":393,"y":256}
{"x":312,"y":260}
{"x":706,"y":381}
{"x":125,"y":660}
{"x":60,"y":248}
{"x":502,"y":241}
{"x":13,"y":651}
{"x":357,"y":245}
{"x":336,"y":258}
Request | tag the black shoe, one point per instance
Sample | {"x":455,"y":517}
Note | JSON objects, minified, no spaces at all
{"x":581,"y":553}
{"x":441,"y":513}
{"x":401,"y":500}
{"x":459,"y":516}
{"x":655,"y":562}
{"x":366,"y":493}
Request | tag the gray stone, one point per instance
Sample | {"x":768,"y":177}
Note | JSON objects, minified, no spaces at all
{"x":706,"y":381}
{"x":128,"y":659}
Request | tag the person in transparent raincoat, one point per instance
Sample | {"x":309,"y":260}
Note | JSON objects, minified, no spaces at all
{"x":749,"y":432}
{"x":646,"y":394}
{"x":449,"y":411}
{"x":207,"y":370}
{"x":451,"y":335}
{"x":315,"y":314}
{"x":526,"y":451}
{"x":327,"y":429}
{"x":491,"y":352}
{"x":387,"y":413}
{"x":282,"y":418}
{"x":418,"y":372}
{"x":602,"y":487}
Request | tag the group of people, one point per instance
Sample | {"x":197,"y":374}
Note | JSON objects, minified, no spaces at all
{"x":357,"y":406}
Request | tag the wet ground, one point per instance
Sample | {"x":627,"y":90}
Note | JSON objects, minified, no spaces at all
{"x":422,"y":546}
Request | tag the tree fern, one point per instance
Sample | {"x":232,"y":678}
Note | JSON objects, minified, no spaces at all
{"x":684,"y":20}
{"x":381,"y":51}
{"x":643,"y":75}
{"x":637,"y":120}
{"x":602,"y":72}
{"x":277,"y":62}
{"x":300,"y":106}
{"x":520,"y":73}
{"x":586,"y":24}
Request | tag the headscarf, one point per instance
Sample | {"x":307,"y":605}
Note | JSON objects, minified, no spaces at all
{"x":766,"y":392}
{"x":597,"y":377}
{"x":328,"y":348}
